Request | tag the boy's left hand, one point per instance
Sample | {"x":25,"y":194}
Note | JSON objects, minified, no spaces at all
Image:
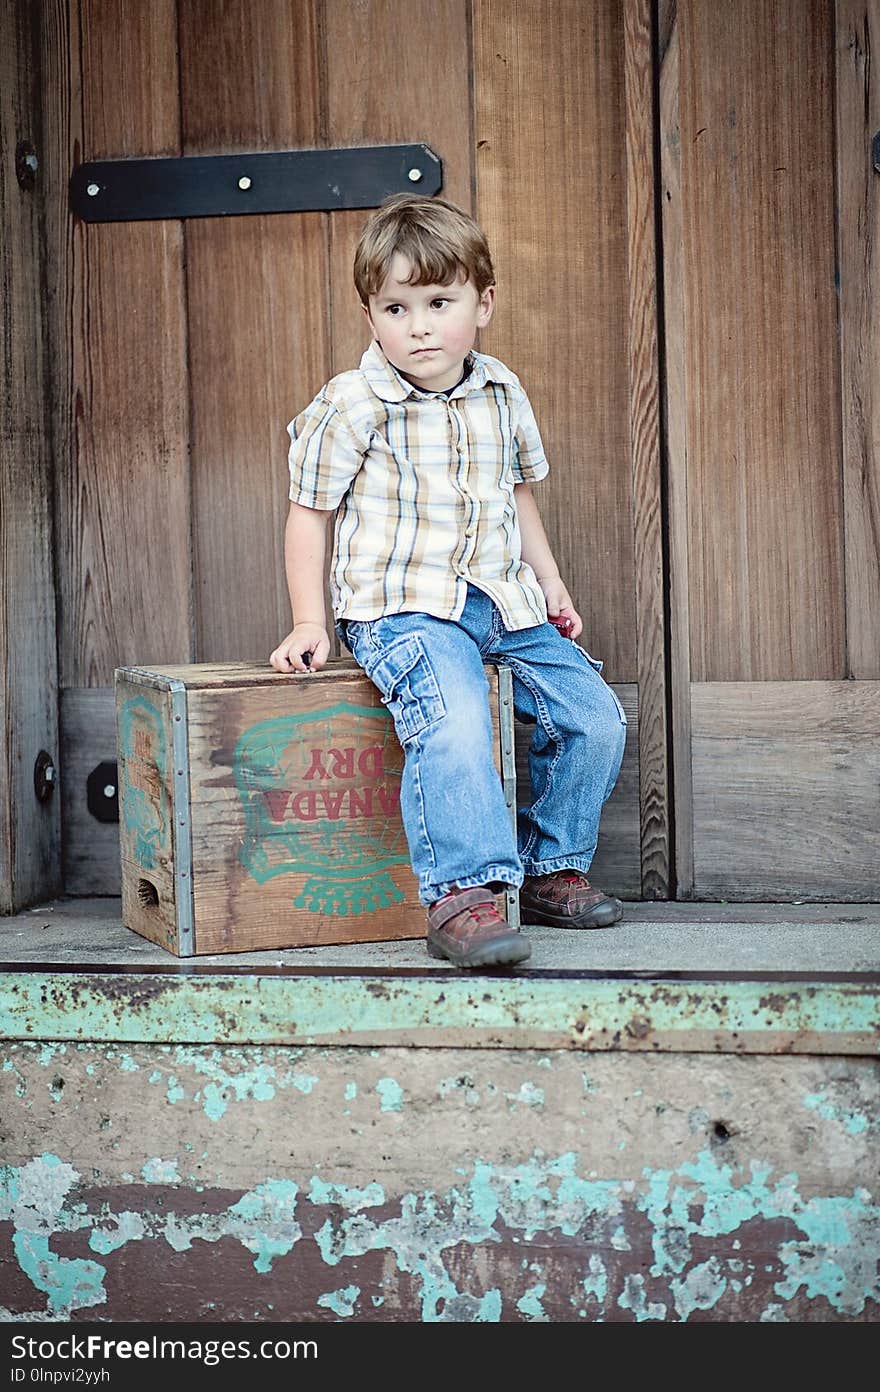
{"x":559,"y":603}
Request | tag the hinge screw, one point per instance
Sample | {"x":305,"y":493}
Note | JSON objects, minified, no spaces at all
{"x":414,"y":175}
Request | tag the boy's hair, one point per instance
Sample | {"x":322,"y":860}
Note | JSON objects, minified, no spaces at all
{"x":439,"y":240}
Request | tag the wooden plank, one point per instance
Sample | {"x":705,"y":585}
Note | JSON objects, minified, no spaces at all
{"x":119,"y":357}
{"x":857,"y":42}
{"x":29,"y":829}
{"x":675,"y":392}
{"x":760,"y":339}
{"x":149,"y":808}
{"x":396,"y":70}
{"x":786,"y":790}
{"x":617,"y":864}
{"x":256,"y":296}
{"x":88,"y":737}
{"x":653,"y":785}
{"x":550,"y":127}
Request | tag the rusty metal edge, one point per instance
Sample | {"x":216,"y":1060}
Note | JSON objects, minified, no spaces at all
{"x":508,"y":771}
{"x":741,"y":1016}
{"x":183,"y":862}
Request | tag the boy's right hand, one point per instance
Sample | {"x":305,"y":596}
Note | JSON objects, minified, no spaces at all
{"x":305,"y":638}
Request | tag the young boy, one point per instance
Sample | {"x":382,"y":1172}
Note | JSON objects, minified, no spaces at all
{"x":426,"y":454}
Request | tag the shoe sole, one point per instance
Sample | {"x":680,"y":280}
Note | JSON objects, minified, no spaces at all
{"x":506,"y":952}
{"x":604,"y":915}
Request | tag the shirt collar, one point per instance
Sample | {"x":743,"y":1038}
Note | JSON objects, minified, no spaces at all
{"x":388,"y":384}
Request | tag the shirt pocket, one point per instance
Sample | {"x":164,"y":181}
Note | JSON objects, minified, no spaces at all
{"x":404,"y":676}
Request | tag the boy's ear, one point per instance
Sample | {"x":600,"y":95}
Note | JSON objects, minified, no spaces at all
{"x":366,"y":309}
{"x":487,"y":306}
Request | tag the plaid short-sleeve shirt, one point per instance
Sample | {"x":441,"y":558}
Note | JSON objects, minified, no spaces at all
{"x":422,"y":484}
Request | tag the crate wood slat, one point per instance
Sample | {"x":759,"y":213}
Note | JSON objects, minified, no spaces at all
{"x":260,"y":810}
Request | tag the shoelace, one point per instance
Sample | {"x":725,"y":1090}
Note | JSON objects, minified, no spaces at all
{"x":483,"y":914}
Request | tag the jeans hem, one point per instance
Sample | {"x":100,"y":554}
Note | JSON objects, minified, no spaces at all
{"x":493,"y":873}
{"x":581,"y":863}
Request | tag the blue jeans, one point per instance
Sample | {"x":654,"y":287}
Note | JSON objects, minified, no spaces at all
{"x":458,"y":828}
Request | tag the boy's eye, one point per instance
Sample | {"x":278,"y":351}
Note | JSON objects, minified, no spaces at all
{"x":394,"y":310}
{"x":439,"y":303}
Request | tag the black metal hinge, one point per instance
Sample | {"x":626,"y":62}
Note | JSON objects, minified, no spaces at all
{"x":282,"y":181}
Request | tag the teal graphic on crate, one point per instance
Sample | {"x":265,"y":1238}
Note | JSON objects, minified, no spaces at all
{"x":321,"y":797}
{"x":145,"y":803}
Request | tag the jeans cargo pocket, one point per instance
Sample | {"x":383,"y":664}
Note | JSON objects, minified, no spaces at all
{"x":409,"y":688}
{"x":597,"y":666}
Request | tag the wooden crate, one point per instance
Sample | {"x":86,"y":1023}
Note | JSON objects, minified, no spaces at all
{"x":259,"y":810}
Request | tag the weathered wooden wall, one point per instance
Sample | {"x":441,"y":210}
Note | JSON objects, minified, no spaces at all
{"x":30,"y":846}
{"x":769,"y":214}
{"x":683,"y":222}
{"x":184,"y":348}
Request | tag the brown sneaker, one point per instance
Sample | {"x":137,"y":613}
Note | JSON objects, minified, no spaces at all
{"x":466,"y":928}
{"x":566,"y":899}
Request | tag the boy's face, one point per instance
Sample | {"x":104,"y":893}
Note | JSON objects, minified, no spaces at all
{"x":427,"y":331}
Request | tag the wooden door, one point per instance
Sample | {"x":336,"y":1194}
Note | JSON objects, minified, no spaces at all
{"x":772,"y":350}
{"x":707,"y":395}
{"x":182,"y":348}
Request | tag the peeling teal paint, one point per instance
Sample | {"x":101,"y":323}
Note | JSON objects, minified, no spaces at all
{"x":706,"y":1016}
{"x":854,"y":1122}
{"x":129,"y":1227}
{"x":390,"y":1094}
{"x":528,"y":1095}
{"x":530,"y":1304}
{"x":596,"y":1281}
{"x":70,"y":1283}
{"x":633,"y":1298}
{"x":830,"y":1255}
{"x":33,"y":1198}
{"x":346,"y":1196}
{"x":159,"y":1171}
{"x":840,"y":1233}
{"x":700,"y":1289}
{"x":351,"y":1091}
{"x":619,"y":1240}
{"x":272,"y":1205}
{"x":341,"y":1302}
{"x":232,"y":1077}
